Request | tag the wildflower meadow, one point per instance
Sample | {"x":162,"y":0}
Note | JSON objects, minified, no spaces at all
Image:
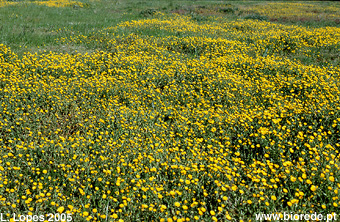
{"x":169,"y":111}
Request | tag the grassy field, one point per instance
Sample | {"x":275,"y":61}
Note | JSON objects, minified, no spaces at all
{"x":169,"y":110}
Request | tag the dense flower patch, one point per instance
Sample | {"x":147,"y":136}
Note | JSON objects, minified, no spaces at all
{"x":171,"y":119}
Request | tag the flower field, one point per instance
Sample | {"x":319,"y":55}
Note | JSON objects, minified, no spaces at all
{"x":173,"y":118}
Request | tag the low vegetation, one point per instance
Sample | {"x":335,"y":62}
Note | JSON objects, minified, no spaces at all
{"x":169,"y":111}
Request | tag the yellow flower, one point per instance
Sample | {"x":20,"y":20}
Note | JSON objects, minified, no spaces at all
{"x":263,"y":130}
{"x":115,"y":216}
{"x":273,"y":197}
{"x":61,"y":209}
{"x":313,"y":188}
{"x":276,"y":120}
{"x":177,"y":204}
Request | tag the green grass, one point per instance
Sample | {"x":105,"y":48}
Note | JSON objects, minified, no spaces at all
{"x":31,"y":27}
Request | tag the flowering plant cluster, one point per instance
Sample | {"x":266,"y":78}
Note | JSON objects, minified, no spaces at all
{"x":173,"y":119}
